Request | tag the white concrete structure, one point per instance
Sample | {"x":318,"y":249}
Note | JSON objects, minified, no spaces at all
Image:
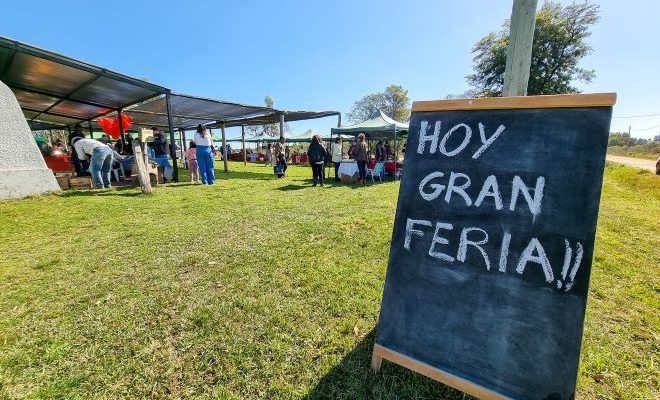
{"x":23,"y":171}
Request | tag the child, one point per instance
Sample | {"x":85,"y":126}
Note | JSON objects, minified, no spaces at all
{"x":280,"y":167}
{"x":191,"y":156}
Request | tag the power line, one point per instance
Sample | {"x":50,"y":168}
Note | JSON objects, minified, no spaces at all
{"x":646,"y":129}
{"x":639,"y":116}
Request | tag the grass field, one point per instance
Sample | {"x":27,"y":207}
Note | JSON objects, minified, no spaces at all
{"x":647,"y":151}
{"x":254,"y":288}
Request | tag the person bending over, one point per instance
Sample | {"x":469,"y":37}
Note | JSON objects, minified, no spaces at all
{"x":99,"y":156}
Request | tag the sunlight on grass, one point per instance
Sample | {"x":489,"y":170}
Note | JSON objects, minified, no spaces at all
{"x":252,"y":289}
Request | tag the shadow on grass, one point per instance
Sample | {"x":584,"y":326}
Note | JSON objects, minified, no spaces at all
{"x":290,"y":187}
{"x":118,"y":191}
{"x":180,"y":184}
{"x":352,"y":378}
{"x":255,"y":176}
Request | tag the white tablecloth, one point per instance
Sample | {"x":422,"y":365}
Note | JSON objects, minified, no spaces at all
{"x":348,"y":168}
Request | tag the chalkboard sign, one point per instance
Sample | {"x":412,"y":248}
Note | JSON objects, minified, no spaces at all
{"x":493,"y":239}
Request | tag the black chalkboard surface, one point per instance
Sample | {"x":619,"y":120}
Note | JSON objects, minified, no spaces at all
{"x":493,"y":239}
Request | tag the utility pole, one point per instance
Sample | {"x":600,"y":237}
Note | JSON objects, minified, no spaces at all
{"x":519,"y":49}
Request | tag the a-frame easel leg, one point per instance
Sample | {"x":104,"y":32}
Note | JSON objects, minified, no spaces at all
{"x":376,"y":361}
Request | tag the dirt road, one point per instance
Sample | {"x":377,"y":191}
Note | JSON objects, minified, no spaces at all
{"x":633,"y":162}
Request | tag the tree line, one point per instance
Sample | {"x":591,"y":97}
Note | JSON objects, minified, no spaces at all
{"x":560,"y":44}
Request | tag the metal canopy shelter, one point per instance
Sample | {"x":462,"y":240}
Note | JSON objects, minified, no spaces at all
{"x":61,"y":91}
{"x":380,"y":126}
{"x":268,"y":119}
{"x":189,"y":111}
{"x":58,"y":91}
{"x":55,"y":91}
{"x":289,"y":116}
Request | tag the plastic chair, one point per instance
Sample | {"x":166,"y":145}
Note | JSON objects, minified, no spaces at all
{"x":378,"y":170}
{"x":118,"y":168}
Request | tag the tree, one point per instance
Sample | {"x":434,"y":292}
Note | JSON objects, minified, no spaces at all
{"x":393,"y":101}
{"x":268,"y":130}
{"x":559,"y":45}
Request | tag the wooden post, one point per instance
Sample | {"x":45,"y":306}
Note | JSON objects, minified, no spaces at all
{"x":281,"y":125}
{"x":519,"y":50}
{"x":141,"y":168}
{"x":170,"y":124}
{"x":224,"y":146}
{"x":182,"y":140}
{"x":244,"y":150}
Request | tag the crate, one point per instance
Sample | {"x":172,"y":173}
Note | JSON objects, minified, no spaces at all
{"x":348,"y":178}
{"x":63,"y":181}
{"x":81,"y":183}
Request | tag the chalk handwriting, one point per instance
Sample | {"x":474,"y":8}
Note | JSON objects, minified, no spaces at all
{"x":424,"y":138}
{"x":486,"y":142}
{"x":437,"y":239}
{"x":458,"y":183}
{"x":464,"y":143}
{"x":458,"y":190}
{"x":533,"y":255}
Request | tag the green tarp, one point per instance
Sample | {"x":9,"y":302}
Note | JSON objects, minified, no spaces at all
{"x":379,"y":126}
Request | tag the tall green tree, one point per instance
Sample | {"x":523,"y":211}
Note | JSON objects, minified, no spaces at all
{"x":559,"y":45}
{"x":393,"y":101}
{"x":268,"y":130}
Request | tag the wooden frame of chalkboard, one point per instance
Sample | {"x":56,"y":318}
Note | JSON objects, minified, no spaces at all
{"x":549,"y":149}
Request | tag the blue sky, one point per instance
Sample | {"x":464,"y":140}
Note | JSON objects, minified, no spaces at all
{"x":313,"y":55}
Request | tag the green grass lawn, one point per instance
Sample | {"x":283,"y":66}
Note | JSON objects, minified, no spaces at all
{"x":252,"y":289}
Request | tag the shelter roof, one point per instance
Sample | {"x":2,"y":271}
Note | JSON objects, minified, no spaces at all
{"x":380,"y":125}
{"x":54,"y":90}
{"x":289,"y":116}
{"x":188,"y":111}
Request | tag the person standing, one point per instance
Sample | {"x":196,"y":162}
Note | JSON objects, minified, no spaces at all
{"x":128,"y":149}
{"x":380,"y":151}
{"x":204,"y":152}
{"x":278,"y":152}
{"x":100,"y":159}
{"x":361,"y":156}
{"x":269,"y":154}
{"x":81,"y":165}
{"x":191,"y":156}
{"x":337,"y":156}
{"x":351,"y":149}
{"x":388,"y":150}
{"x":316,"y":153}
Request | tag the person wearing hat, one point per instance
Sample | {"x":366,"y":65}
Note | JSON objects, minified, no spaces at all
{"x":99,"y":156}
